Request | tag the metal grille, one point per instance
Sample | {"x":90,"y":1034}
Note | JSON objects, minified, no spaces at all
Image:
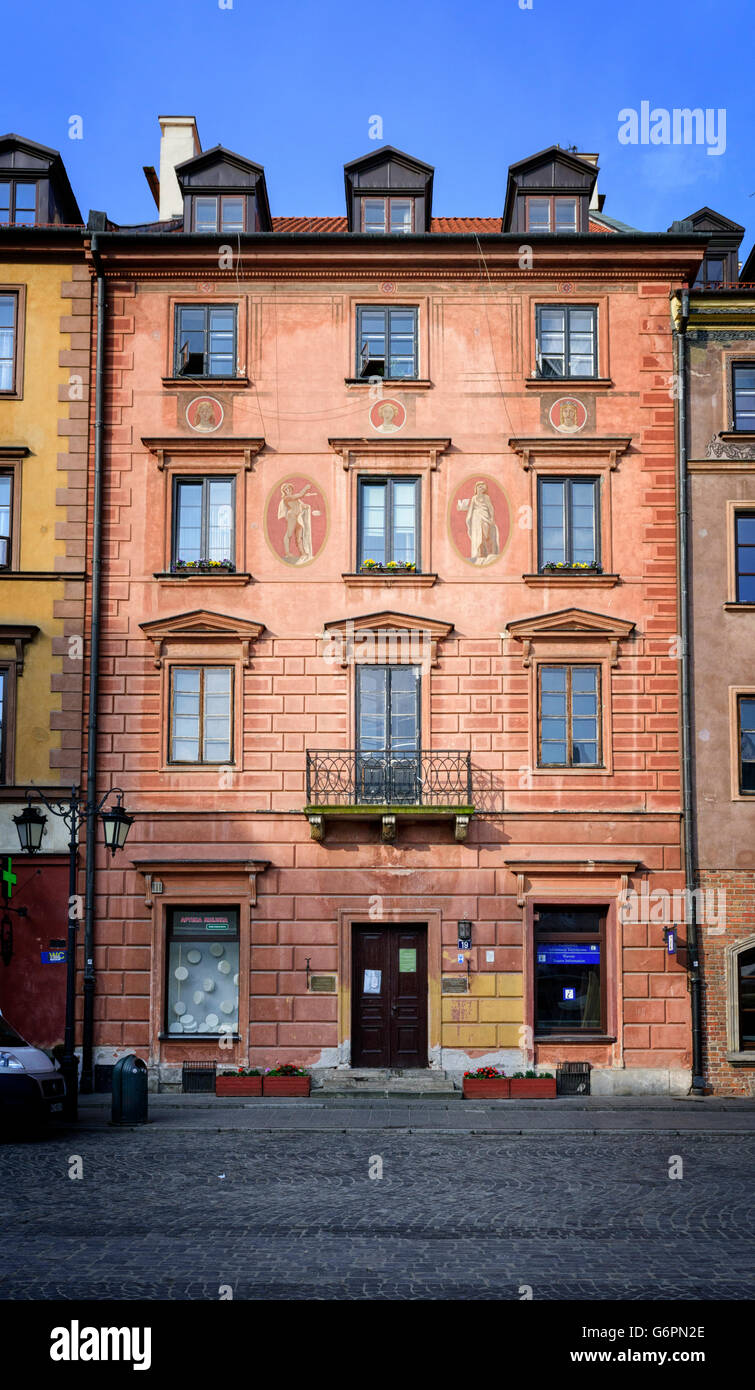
{"x":573,"y":1079}
{"x":352,"y":778}
{"x":198,"y":1076}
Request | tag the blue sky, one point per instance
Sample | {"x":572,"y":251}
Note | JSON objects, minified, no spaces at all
{"x":470,"y":86}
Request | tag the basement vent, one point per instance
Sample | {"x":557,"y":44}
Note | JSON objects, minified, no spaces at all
{"x":454,"y":984}
{"x":322,"y":984}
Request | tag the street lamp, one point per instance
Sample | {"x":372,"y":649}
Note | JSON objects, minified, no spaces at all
{"x":31,"y":825}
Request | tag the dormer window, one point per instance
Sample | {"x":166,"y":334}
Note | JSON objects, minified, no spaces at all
{"x":552,"y":214}
{"x":18,"y":203}
{"x":394,"y":215}
{"x":224,"y":213}
{"x":711,"y":275}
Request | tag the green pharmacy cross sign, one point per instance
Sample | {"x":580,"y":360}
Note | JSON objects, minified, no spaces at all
{"x":8,"y":878}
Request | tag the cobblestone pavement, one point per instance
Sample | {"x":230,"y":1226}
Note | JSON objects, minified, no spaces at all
{"x":294,"y":1215}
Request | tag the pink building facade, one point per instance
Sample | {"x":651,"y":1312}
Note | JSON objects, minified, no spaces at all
{"x":389,"y":675}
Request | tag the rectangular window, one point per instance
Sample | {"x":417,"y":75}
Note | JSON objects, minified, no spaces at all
{"x":228,"y":208}
{"x":746,"y":980}
{"x":201,"y":714}
{"x":388,"y":521}
{"x":383,"y":215}
{"x":4,"y":730}
{"x":569,"y":716}
{"x":710,"y":276}
{"x":746,"y":736}
{"x":18,"y":203}
{"x":202,"y":971}
{"x":388,"y":734}
{"x":204,"y":527}
{"x":569,"y":971}
{"x":8,"y":332}
{"x":6,"y":518}
{"x":567,"y":340}
{"x":548,"y":214}
{"x":745,"y":556}
{"x":743,"y":395}
{"x":568,"y":521}
{"x":386,"y":342}
{"x":205,"y":340}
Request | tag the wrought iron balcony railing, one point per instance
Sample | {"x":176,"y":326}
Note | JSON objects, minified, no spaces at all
{"x":440,"y":779}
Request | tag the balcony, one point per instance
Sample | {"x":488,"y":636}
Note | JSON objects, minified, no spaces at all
{"x":389,"y":787}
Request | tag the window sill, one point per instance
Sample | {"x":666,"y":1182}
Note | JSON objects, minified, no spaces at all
{"x":578,"y":770}
{"x":734,"y":607}
{"x":42,"y":574}
{"x":206,"y":381}
{"x":549,"y":383}
{"x":567,"y":578}
{"x":236,"y":577}
{"x":741,"y":1059}
{"x":399,"y":383}
{"x":383,"y":578}
{"x":197,"y":1037}
{"x":588,"y":1038}
{"x":735,"y":436}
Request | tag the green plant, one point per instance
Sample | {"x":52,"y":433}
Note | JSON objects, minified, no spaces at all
{"x":532,"y":1075}
{"x":593,"y":565}
{"x":485,"y":1074}
{"x":242,"y":1071}
{"x":286,"y":1069}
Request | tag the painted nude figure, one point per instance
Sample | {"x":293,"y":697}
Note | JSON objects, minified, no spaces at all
{"x":297,"y":515}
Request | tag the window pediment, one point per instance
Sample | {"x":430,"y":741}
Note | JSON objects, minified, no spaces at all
{"x":385,"y":637}
{"x":569,"y":625}
{"x":199,"y":627}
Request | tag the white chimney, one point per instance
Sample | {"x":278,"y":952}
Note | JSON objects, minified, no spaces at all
{"x":179,"y":140}
{"x":592,"y":159}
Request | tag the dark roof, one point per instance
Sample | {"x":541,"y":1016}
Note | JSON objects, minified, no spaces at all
{"x":56,"y":172}
{"x":382,"y":151}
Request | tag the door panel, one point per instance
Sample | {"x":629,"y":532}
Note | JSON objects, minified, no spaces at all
{"x":389,"y":997}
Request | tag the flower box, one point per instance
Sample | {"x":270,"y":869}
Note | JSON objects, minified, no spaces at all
{"x":533,"y":1087}
{"x":286,"y":1085}
{"x":238,"y":1085}
{"x":486,"y":1088}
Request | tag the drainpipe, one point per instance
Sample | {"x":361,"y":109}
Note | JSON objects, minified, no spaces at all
{"x":87,"y":1068}
{"x":680,"y":318}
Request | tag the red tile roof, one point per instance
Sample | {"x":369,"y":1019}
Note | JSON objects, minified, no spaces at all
{"x":440,"y":225}
{"x":466,"y":224}
{"x":309,"y":224}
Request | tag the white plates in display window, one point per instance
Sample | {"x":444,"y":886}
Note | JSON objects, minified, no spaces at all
{"x":193,"y":957}
{"x":227,"y":1006}
{"x":224,"y":967}
{"x":176,"y":1028}
{"x":179,"y":1008}
{"x":198,"y":996}
{"x":212,"y":1021}
{"x":216,"y":949}
{"x":188,"y":1022}
{"x":181,"y":973}
{"x":236,"y":978}
{"x":208,"y":985}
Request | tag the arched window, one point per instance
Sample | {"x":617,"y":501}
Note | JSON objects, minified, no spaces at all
{"x":746,"y":999}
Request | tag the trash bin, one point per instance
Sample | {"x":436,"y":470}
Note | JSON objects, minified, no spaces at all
{"x":129,"y":1091}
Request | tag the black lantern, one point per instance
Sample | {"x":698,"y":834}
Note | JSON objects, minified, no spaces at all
{"x":465,"y":935}
{"x":116,"y":824}
{"x":31,"y":827}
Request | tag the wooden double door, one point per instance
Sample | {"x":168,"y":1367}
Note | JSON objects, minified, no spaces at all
{"x":389,"y":996}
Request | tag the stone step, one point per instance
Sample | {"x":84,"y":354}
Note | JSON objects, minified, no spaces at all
{"x":382,"y":1081}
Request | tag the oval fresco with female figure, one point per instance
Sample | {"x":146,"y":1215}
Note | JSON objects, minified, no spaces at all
{"x":479,"y":520}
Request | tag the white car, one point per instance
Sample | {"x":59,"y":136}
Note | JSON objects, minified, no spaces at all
{"x":31,"y":1085}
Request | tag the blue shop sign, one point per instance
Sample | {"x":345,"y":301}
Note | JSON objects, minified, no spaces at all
{"x":54,"y":957}
{"x":569,"y":954}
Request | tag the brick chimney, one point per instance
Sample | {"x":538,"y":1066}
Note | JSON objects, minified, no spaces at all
{"x":179,"y":140}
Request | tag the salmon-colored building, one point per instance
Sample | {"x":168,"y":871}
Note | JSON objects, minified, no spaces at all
{"x":389,"y":675}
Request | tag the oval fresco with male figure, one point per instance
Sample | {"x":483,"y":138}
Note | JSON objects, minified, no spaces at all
{"x":479,"y":520}
{"x":296,"y":520}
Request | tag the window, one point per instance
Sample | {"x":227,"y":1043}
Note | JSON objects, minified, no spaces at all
{"x":202,"y":971}
{"x":552,"y":215}
{"x":710,"y":276}
{"x":8,"y":316}
{"x":569,"y":993}
{"x":18,"y":203}
{"x":568,"y":519}
{"x":389,"y":521}
{"x":566,"y":341}
{"x":744,"y":523}
{"x":4,"y":722}
{"x":204,"y":527}
{"x":743,"y":394}
{"x":205,"y":340}
{"x":569,"y":709}
{"x":221,"y":214}
{"x":388,"y":734}
{"x":746,"y":999}
{"x":386,"y":342}
{"x":746,"y":736}
{"x":387,"y":214}
{"x":6,"y":515}
{"x":201,"y":714}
